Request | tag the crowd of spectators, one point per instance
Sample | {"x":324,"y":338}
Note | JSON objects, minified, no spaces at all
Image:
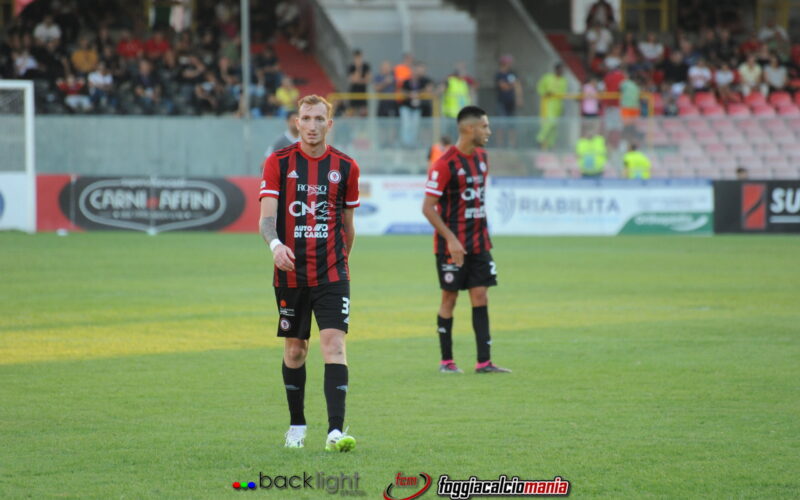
{"x":105,"y":57}
{"x":708,"y":53}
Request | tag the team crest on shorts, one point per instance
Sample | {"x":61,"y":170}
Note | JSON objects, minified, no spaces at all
{"x":334,"y":176}
{"x":285,"y":324}
{"x":449,"y":277}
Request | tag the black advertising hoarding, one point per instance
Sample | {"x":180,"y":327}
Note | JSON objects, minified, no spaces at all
{"x":757,"y":206}
{"x":151,"y":204}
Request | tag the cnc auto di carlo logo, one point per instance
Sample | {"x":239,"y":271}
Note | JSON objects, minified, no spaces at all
{"x":152,"y":204}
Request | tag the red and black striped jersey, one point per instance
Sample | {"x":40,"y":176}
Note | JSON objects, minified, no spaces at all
{"x":459,"y":182}
{"x":312,"y":195}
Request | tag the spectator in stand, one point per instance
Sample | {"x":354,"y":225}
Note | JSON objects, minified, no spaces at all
{"x":267,"y":69}
{"x":129,"y":48}
{"x":101,"y":87}
{"x":190,"y":74}
{"x":725,"y":49}
{"x":147,"y":88}
{"x":157,"y":47}
{"x":652,"y":50}
{"x":286,"y":97}
{"x":383,"y":83}
{"x":411,"y":109}
{"x":47,"y":30}
{"x":52,"y":62}
{"x":590,"y":104}
{"x":700,"y":77}
{"x":601,"y":12}
{"x":209,"y":94}
{"x":25,"y":65}
{"x":614,"y":59}
{"x":358,"y":77}
{"x":599,"y":40}
{"x":775,"y":38}
{"x":775,"y":76}
{"x":551,"y":89}
{"x":690,"y":53}
{"x":291,"y":23}
{"x":723,"y":80}
{"x":613,"y":79}
{"x":749,"y":75}
{"x":403,"y":70}
{"x":762,"y":56}
{"x":630,"y":98}
{"x":630,"y":51}
{"x":103,"y":40}
{"x":84,"y":58}
{"x":707,"y":44}
{"x":750,"y":45}
{"x":508,"y":86}
{"x":116,"y":67}
{"x":73,"y":90}
{"x":455,"y":93}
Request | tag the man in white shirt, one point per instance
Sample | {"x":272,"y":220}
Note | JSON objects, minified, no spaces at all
{"x":599,"y":39}
{"x":700,"y":76}
{"x":652,"y":50}
{"x":47,"y":30}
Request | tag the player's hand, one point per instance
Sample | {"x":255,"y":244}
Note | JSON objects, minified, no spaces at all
{"x":284,"y":258}
{"x":456,"y":251}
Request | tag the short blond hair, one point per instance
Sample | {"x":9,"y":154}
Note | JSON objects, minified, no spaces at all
{"x":314,"y":99}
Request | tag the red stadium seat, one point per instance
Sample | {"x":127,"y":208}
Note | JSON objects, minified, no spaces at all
{"x":689,"y":111}
{"x":738,"y":109}
{"x":708,"y":173}
{"x":763,"y":110}
{"x":731,"y":137}
{"x":784,"y":173}
{"x":715,"y":110}
{"x":546,"y":160}
{"x":682,"y":173}
{"x":755,"y":98}
{"x":684,"y":101}
{"x":705,"y":100}
{"x":741,"y":148}
{"x":789,"y":110}
{"x":779,"y":98}
{"x":697,"y":124}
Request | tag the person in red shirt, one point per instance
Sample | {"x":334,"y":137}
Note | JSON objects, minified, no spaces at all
{"x":454,"y":205}
{"x":157,"y":46}
{"x":308,"y":195}
{"x":128,"y":47}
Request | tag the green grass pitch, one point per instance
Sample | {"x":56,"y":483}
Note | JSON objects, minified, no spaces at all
{"x":147,"y":367}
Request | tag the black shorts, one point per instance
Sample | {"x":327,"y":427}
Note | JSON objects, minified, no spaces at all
{"x":478,"y":270}
{"x":330,"y":304}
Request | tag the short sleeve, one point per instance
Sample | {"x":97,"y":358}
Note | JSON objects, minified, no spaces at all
{"x":271,"y":179}
{"x":438,"y":177}
{"x":351,"y":199}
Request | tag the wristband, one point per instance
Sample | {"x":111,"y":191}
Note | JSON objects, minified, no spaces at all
{"x":274,"y":243}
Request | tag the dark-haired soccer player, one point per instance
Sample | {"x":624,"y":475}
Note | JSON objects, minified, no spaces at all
{"x":454,"y":205}
{"x":308,"y":194}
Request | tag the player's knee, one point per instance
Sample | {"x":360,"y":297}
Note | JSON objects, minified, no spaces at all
{"x":296,"y":352}
{"x":478,"y":297}
{"x":449,"y":300}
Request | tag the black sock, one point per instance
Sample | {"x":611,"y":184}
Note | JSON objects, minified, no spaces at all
{"x":445,"y":328}
{"x":335,"y":393}
{"x":295,"y":381}
{"x":480,"y":323}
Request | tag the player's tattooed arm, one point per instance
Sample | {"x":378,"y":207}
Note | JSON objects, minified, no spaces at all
{"x":268,"y":228}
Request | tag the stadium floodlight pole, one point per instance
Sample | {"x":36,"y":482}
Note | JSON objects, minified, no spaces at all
{"x":244,"y":32}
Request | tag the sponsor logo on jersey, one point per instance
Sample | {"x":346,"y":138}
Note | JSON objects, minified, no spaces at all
{"x":432,"y":184}
{"x":449,"y":277}
{"x":285,"y":324}
{"x":461,"y":171}
{"x":482,"y":167}
{"x":315,"y":231}
{"x":286,"y":311}
{"x":318,"y":209}
{"x":470,"y":194}
{"x":475,"y":213}
{"x":312,"y":189}
{"x":334,"y":176}
{"x":434,"y":175}
{"x":263,"y":184}
{"x":292,"y":175}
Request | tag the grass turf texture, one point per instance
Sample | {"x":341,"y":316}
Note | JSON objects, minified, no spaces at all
{"x":141,"y":367}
